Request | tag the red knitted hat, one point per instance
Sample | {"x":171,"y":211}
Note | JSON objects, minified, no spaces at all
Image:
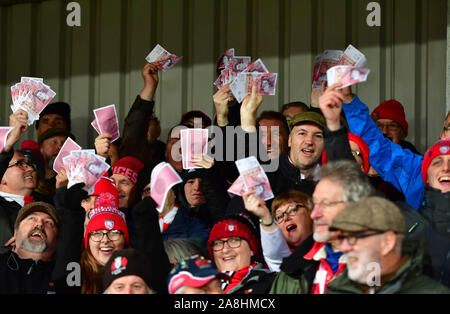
{"x":106,"y":216}
{"x":442,"y":147}
{"x":362,"y":146}
{"x":234,"y":227}
{"x":106,"y":185}
{"x":393,"y":110}
{"x":129,"y":167}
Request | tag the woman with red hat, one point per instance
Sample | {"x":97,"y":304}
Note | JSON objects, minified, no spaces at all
{"x":234,"y":247}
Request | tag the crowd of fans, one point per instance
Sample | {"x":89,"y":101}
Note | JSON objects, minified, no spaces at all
{"x":357,"y":208}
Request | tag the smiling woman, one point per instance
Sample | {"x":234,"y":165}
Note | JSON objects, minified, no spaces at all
{"x":234,"y":247}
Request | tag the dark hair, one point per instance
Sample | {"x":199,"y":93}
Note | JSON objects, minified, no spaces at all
{"x":274,"y":115}
{"x":298,"y":104}
{"x":135,"y":142}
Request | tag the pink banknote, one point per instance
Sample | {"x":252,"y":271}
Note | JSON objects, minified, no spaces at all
{"x":347,"y":75}
{"x":193,"y":142}
{"x":322,"y":63}
{"x":254,"y":177}
{"x":68,"y":146}
{"x":107,"y":121}
{"x":4,"y":131}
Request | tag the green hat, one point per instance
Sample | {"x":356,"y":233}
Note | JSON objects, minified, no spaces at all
{"x":370,"y":213}
{"x":308,"y":116}
{"x":52,"y":132}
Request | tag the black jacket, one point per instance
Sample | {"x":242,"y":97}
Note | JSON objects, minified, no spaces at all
{"x":24,"y":276}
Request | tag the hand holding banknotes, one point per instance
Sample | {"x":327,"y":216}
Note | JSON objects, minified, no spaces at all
{"x":150,"y":75}
{"x":103,"y":144}
{"x":61,"y":178}
{"x":203,"y":160}
{"x":257,"y":206}
{"x":330,"y":104}
{"x":221,"y":99}
{"x":249,"y":108}
{"x":17,"y":120}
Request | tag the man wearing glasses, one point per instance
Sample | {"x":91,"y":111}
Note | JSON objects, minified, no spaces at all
{"x":371,"y":237}
{"x":18,"y":179}
{"x":317,"y":260}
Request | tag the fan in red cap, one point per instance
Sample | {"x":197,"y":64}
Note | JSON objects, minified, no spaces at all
{"x":125,"y":174}
{"x":440,"y":149}
{"x":104,"y":185}
{"x":234,"y":247}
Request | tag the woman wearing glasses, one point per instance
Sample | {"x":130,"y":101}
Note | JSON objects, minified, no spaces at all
{"x":234,"y":247}
{"x":81,"y":271}
{"x":285,"y":227}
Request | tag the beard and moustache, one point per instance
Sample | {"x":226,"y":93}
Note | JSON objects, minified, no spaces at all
{"x":35,"y":246}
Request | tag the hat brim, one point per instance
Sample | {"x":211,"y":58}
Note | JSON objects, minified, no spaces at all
{"x":347,"y":226}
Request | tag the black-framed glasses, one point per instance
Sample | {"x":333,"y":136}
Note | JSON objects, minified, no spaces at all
{"x":233,"y":242}
{"x":291,"y":211}
{"x":353,"y":238}
{"x":23,"y":164}
{"x":112,"y":235}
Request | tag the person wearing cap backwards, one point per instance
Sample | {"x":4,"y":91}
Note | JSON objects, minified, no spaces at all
{"x":371,"y":237}
{"x":18,"y":175}
{"x":127,"y":272}
{"x":27,"y":268}
{"x":317,"y":260}
{"x":196,"y":275}
{"x":424,"y":180}
{"x":234,"y":247}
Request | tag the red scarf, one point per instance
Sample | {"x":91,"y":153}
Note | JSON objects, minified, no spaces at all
{"x":237,"y":277}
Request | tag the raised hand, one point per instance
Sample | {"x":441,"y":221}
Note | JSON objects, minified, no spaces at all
{"x":249,"y":107}
{"x":18,"y":120}
{"x":150,"y":75}
{"x":61,"y":178}
{"x":221,"y":99}
{"x":103,"y":144}
{"x":203,"y":160}
{"x":330,"y":104}
{"x":257,"y":206}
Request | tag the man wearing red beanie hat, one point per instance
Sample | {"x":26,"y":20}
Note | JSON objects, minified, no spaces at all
{"x":125,"y":174}
{"x":389,"y":116}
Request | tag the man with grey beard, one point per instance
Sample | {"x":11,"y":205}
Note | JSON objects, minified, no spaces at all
{"x":27,"y":268}
{"x":317,"y":260}
{"x":370,"y":234}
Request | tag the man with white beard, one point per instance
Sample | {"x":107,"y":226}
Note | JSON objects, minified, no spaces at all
{"x":27,"y":268}
{"x":371,"y":237}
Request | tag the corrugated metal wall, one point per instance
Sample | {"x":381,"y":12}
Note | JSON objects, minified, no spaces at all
{"x":99,"y":63}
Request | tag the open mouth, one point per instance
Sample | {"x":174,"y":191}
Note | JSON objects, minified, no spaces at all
{"x":228,"y":258}
{"x":308,"y":151}
{"x":37,"y":235}
{"x":444,"y":180}
{"x":106,"y":250}
{"x":291,"y":227}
